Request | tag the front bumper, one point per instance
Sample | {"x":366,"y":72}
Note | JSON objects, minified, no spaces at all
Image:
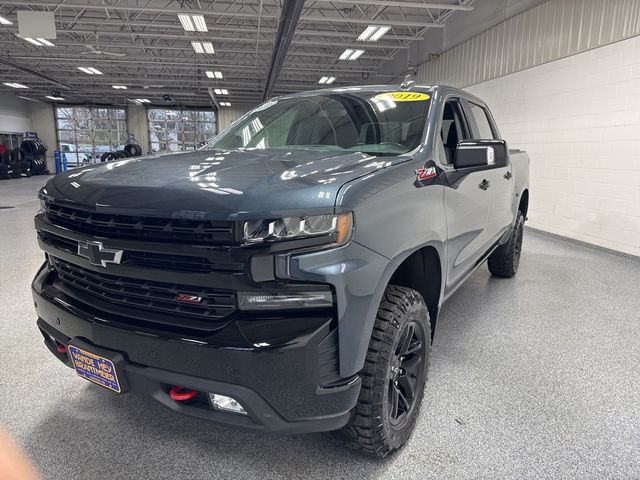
{"x":285,"y":378}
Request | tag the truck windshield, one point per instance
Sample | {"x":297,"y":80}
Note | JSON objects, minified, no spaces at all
{"x":376,"y":123}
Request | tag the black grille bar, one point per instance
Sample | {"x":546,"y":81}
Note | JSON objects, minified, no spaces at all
{"x":211,"y":304}
{"x":161,"y":261}
{"x":198,"y":232}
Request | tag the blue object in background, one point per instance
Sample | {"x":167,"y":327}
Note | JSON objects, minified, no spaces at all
{"x":56,"y":160}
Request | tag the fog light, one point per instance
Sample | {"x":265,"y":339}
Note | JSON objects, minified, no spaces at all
{"x":226,"y":404}
{"x":266,"y":301}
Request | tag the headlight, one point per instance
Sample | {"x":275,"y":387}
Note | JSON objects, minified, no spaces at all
{"x":337,"y":226}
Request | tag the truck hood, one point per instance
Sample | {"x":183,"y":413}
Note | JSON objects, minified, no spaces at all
{"x":217,"y":184}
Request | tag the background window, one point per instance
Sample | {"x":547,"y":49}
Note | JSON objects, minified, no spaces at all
{"x":84,"y":134}
{"x":482,"y":121}
{"x":180,"y":130}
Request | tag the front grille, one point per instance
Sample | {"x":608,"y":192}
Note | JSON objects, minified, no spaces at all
{"x":156,"y":229}
{"x":161,"y":261}
{"x":147,"y":295}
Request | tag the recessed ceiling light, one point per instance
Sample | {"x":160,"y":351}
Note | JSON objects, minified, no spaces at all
{"x":323,"y":80}
{"x":192,"y":23}
{"x":51,"y":97}
{"x":120,"y":87}
{"x":4,"y":21}
{"x":225,"y":104}
{"x":331,"y":80}
{"x":14,"y":85}
{"x":215,"y":74}
{"x":221,"y":91}
{"x":197,"y":47}
{"x":373,"y":33}
{"x":218,"y":74}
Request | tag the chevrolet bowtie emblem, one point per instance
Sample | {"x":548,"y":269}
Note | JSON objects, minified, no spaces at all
{"x":98,"y":255}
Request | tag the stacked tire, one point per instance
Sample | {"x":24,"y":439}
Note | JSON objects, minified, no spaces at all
{"x":11,"y":164}
{"x":36,"y":152}
{"x":130,"y":150}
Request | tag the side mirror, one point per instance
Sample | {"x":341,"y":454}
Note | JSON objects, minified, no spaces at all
{"x":480,"y":153}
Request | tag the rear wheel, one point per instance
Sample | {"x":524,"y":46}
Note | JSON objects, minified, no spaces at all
{"x":505,"y":260}
{"x":393,"y":377}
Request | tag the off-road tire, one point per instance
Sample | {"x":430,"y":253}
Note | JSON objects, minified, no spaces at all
{"x":505,"y":260}
{"x":371,"y":428}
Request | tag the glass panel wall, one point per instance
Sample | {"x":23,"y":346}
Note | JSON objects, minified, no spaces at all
{"x":180,"y":130}
{"x":84,"y":134}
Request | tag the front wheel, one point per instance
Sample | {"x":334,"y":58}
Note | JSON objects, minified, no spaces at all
{"x":394,"y":375}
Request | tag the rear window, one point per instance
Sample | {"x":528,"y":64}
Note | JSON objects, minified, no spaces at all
{"x":378,"y":123}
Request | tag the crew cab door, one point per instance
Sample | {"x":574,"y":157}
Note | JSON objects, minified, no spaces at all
{"x":467,"y":199}
{"x":501,"y":215}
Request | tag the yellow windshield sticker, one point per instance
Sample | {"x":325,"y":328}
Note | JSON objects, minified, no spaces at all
{"x":403,"y":96}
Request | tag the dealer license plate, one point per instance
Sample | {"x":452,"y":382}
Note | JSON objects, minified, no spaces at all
{"x":96,"y":369}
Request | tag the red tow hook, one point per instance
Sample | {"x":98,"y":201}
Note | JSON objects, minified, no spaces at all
{"x":180,"y":394}
{"x":61,"y":348}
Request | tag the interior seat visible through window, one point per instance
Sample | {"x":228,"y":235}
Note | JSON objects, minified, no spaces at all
{"x":449,"y":131}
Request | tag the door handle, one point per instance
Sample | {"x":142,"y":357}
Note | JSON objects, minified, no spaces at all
{"x":508,"y":175}
{"x":484,"y":184}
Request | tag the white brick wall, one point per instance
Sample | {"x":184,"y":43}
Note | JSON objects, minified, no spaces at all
{"x":579,"y":120}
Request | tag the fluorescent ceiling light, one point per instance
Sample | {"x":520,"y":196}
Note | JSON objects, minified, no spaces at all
{"x":225,"y":104}
{"x":381,"y":31}
{"x":192,"y":23}
{"x":143,"y":100}
{"x":46,"y":42}
{"x":331,"y":80}
{"x":208,"y":48}
{"x":50,"y":97}
{"x":218,"y":74}
{"x":120,"y":87}
{"x":14,"y":85}
{"x":346,"y":54}
{"x":90,"y":70}
{"x":215,"y":74}
{"x":35,"y":42}
{"x":221,"y":91}
{"x":203,"y":47}
{"x":373,"y":33}
{"x":356,"y":54}
{"x":4,"y":21}
{"x":323,"y":80}
{"x":199,"y":22}
{"x":186,"y":22}
{"x":209,"y":74}
{"x":367,"y":33}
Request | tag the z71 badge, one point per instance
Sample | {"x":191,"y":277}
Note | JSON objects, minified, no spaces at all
{"x":425,"y":173}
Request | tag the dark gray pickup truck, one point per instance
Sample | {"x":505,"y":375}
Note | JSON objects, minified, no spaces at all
{"x":288,"y":276}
